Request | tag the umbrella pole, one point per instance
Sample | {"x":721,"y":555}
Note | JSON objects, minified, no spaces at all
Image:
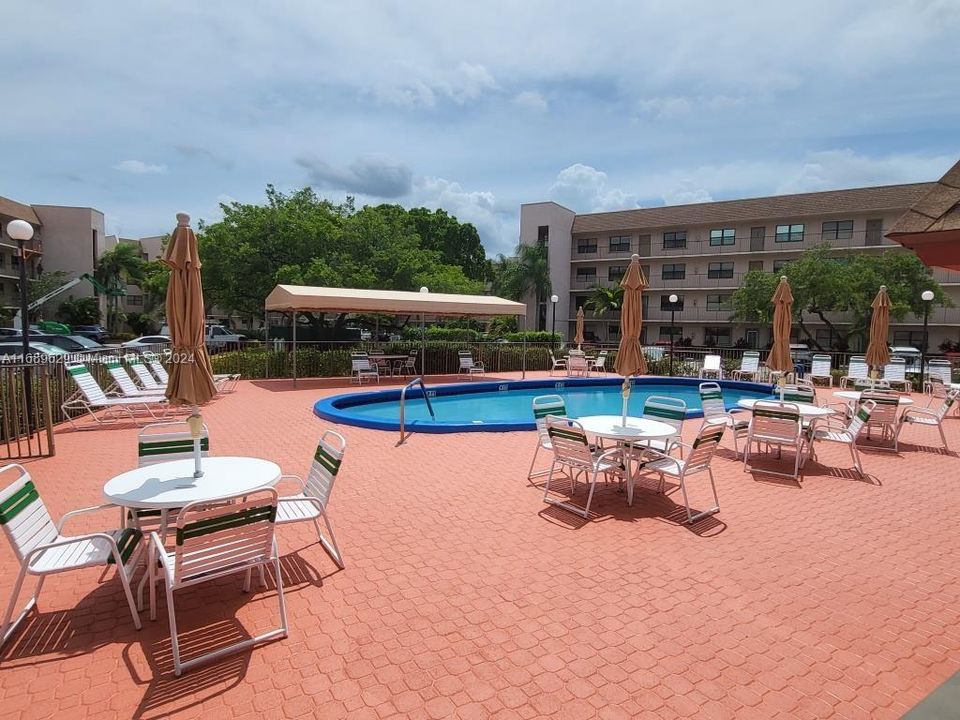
{"x":195,"y":422}
{"x":625,"y":392}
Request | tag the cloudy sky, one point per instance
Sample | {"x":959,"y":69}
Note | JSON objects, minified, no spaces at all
{"x":143,"y":108}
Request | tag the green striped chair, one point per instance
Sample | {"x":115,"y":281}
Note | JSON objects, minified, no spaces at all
{"x":572,"y":452}
{"x":314,"y":497}
{"x":776,"y":423}
{"x":715,"y":411}
{"x":124,"y":384}
{"x":930,"y":418}
{"x":699,"y":455}
{"x":827,"y":430}
{"x":669,"y":410}
{"x":544,"y":405}
{"x":213,"y":542}
{"x":42,"y":549}
{"x":89,"y":397}
{"x":884,"y":417}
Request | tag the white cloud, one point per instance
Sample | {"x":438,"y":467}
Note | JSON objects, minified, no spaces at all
{"x":531,"y":100}
{"x":138,"y":167}
{"x":665,"y":108}
{"x":685,"y":192}
{"x":466,"y":83}
{"x":585,"y":189}
{"x":498,"y":226}
{"x":844,"y":168}
{"x":370,"y":175}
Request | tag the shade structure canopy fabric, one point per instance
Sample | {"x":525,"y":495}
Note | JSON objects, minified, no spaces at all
{"x":878,"y":352}
{"x":191,"y":379}
{"x":779,"y":358}
{"x":931,"y":227}
{"x":305,"y":298}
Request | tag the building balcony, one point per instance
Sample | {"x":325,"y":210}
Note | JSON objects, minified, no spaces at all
{"x":689,"y":282}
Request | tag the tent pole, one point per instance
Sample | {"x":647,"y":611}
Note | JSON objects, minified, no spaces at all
{"x":294,"y":348}
{"x":524,"y":336}
{"x":266,"y":340}
{"x":423,"y":349}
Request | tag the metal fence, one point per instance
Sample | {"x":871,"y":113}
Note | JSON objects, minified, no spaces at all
{"x":26,"y":425}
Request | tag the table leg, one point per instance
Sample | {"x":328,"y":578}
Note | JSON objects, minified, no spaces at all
{"x":628,"y":468}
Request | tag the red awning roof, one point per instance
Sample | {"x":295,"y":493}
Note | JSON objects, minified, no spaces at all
{"x":931,"y":228}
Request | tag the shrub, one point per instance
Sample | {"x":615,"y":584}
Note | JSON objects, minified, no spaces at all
{"x":534,"y":336}
{"x":445,"y":334}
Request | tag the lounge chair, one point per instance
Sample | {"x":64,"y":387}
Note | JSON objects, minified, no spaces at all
{"x":930,"y":418}
{"x":895,"y":373}
{"x":699,"y":455}
{"x":42,"y":550}
{"x":572,"y":451}
{"x":468,"y":365}
{"x":749,"y":366}
{"x":711,"y":367}
{"x":213,"y":542}
{"x":857,"y":369}
{"x":938,"y":370}
{"x":557,"y":363}
{"x":361,"y":367}
{"x":157,"y":368}
{"x":90,"y":397}
{"x":123,"y":384}
{"x":776,"y":423}
{"x":544,"y":405}
{"x":224,"y":382}
{"x":827,"y":430}
{"x":715,"y":411}
{"x":820,"y":369}
{"x":311,"y":502}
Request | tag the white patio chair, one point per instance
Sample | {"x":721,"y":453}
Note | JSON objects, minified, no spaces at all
{"x":90,"y":397}
{"x":557,"y":363}
{"x":828,"y":430}
{"x":883,"y":417}
{"x":408,"y":366}
{"x":42,"y":549}
{"x":468,"y":365}
{"x":711,"y":367}
{"x":749,"y":366}
{"x":544,"y":405}
{"x":310,"y":504}
{"x":572,"y":451}
{"x":699,"y":455}
{"x":820,"y":369}
{"x":669,"y":410}
{"x":212,"y":542}
{"x":857,"y":369}
{"x":776,"y":423}
{"x":599,"y":363}
{"x":895,"y":373}
{"x":715,"y":412}
{"x":361,"y":367}
{"x":577,"y":365}
{"x":937,"y":370}
{"x":930,"y":418}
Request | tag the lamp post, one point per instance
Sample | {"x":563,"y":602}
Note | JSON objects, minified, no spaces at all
{"x":553,"y":329}
{"x":673,"y":310}
{"x":21,"y":231}
{"x":927,"y":297}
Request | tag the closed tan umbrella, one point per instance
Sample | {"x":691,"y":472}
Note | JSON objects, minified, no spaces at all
{"x":779,"y":358}
{"x":578,"y":338}
{"x":191,"y":379}
{"x":630,"y":359}
{"x":878,"y":353}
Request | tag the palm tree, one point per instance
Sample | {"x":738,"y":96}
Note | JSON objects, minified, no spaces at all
{"x":116,"y":267}
{"x":528,"y":273}
{"x":605,"y":299}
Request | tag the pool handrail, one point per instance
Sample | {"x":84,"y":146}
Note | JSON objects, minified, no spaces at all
{"x":403,"y":400}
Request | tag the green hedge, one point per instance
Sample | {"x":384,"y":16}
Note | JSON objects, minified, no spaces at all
{"x":534,"y":336}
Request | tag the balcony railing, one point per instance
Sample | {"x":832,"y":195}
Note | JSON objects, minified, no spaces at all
{"x":690,"y":282}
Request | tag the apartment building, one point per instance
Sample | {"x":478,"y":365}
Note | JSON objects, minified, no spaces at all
{"x":701,"y":253}
{"x":65,"y":238}
{"x":150,"y":248}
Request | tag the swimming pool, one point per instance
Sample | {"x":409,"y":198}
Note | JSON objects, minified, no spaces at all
{"x":503,"y":406}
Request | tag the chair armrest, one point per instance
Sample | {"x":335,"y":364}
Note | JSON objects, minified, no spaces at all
{"x":157,"y":552}
{"x":294,"y":478}
{"x":918,"y":411}
{"x":612,"y":452}
{"x":82,"y":511}
{"x":69,"y":541}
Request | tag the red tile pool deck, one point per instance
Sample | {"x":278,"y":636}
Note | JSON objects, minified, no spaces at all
{"x":465,"y":596}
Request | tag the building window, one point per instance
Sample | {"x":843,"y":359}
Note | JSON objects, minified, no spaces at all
{"x":675,"y":240}
{"x":665,"y":303}
{"x":755,"y":265}
{"x":674,"y":271}
{"x":723,"y":236}
{"x":837,"y":230}
{"x":720,"y":270}
{"x":668,"y":331}
{"x":615,"y":272}
{"x":716,"y":336}
{"x":2,"y":261}
{"x":134,"y":299}
{"x":620,"y":243}
{"x":543,"y":234}
{"x":645,"y":269}
{"x":586,"y":273}
{"x":718,"y":302}
{"x":827,"y":338}
{"x":779,"y":265}
{"x":789,"y":233}
{"x":14,"y":261}
{"x":587,"y":247}
{"x":580,"y":302}
{"x":911,"y":338}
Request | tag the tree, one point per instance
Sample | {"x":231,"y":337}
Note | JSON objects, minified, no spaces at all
{"x":458,"y":243}
{"x":604,"y":299}
{"x":824,"y":284}
{"x":79,"y":311}
{"x":528,"y":273}
{"x":118,"y":266}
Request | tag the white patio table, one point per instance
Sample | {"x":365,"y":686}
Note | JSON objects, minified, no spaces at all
{"x":808,"y":411}
{"x":637,"y":430}
{"x":853,"y":396}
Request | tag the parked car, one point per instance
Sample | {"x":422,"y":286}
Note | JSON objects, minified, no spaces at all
{"x":38,"y":352}
{"x":217,"y":337}
{"x":94,"y":332}
{"x":146,"y":341}
{"x":73,"y":343}
{"x":15,"y":332}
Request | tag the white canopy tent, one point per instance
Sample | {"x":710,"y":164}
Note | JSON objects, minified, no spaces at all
{"x":304,"y":298}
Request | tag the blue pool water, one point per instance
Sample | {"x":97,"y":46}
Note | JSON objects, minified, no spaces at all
{"x":492,"y":406}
